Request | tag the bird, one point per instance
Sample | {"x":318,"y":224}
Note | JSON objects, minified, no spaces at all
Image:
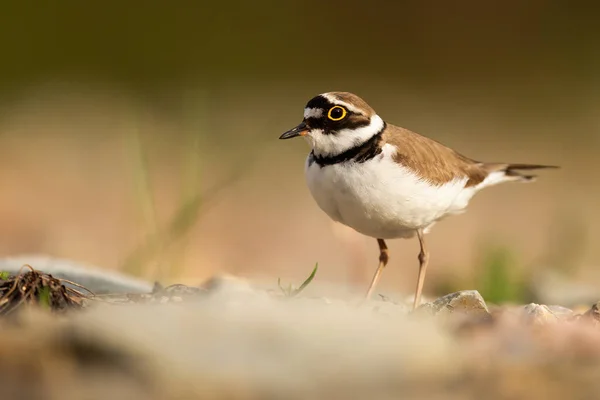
{"x":385,"y":181}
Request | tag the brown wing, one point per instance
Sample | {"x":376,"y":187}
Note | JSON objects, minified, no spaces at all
{"x":431,"y":160}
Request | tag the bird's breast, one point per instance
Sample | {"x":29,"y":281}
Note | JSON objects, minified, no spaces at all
{"x":381,"y":198}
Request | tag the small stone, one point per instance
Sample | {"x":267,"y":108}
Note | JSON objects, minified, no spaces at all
{"x":226,"y":283}
{"x":593,"y":313}
{"x":157,"y":287}
{"x":230,"y":289}
{"x":561,"y":312}
{"x":467,"y":302}
{"x":384,"y":297}
{"x":539,"y":314}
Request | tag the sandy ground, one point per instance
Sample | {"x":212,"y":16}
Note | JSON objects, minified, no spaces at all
{"x":241,"y":343}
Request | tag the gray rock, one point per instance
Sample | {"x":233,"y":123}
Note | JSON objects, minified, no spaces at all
{"x":467,"y":302}
{"x":99,"y":281}
{"x":539,"y":314}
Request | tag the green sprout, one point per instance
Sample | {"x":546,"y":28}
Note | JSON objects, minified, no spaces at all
{"x":44,"y":297}
{"x":4,"y":275}
{"x":289,"y":291}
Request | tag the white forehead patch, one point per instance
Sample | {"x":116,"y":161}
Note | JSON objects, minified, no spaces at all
{"x":334,"y":100}
{"x":313,"y":112}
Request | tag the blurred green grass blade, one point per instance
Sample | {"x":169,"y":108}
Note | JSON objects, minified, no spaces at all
{"x":289,"y":291}
{"x":500,"y":278}
{"x":144,"y":198}
{"x":164,"y":246}
{"x":190,"y":199}
{"x":44,"y":297}
{"x":185,"y":217}
{"x":308,"y":280}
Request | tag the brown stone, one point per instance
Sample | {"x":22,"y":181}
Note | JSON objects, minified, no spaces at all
{"x":467,"y":302}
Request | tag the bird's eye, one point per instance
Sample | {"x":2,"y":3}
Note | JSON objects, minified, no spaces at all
{"x":336,"y":113}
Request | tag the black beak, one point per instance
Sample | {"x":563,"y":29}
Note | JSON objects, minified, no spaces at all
{"x":300,"y":130}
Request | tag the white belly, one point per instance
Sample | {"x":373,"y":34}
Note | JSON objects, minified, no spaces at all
{"x":381,"y":199}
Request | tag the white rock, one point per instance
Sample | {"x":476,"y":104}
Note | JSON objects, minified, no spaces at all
{"x":539,"y":314}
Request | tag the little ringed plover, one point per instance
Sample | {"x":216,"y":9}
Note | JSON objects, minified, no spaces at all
{"x":385,"y":181}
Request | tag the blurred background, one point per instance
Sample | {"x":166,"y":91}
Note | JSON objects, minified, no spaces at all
{"x":141,"y":136}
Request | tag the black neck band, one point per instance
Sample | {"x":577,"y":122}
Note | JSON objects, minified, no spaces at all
{"x":360,"y":153}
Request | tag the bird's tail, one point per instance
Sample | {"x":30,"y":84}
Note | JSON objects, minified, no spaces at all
{"x":515,"y":172}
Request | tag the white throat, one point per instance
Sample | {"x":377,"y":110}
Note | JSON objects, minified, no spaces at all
{"x":336,"y":143}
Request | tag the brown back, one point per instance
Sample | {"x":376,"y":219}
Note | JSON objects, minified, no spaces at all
{"x":431,"y":160}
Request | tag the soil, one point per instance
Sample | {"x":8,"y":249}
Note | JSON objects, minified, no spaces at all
{"x":226,"y":339}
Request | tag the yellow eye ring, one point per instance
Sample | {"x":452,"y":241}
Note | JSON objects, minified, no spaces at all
{"x":331,"y":117}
